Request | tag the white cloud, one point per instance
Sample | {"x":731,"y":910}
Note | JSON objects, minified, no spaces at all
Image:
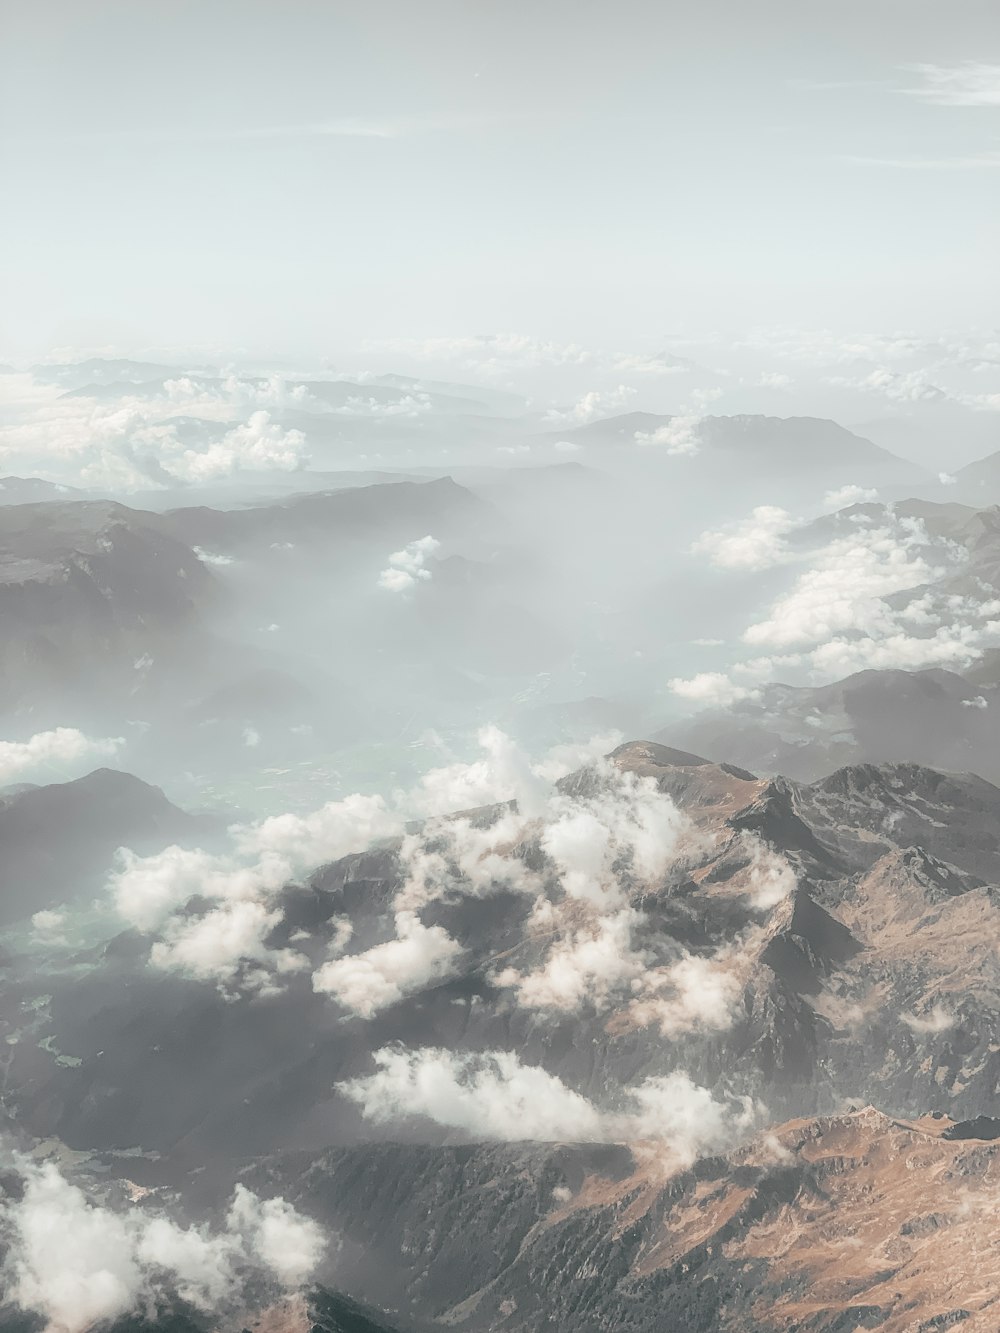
{"x":211,"y":558}
{"x":755,"y":543}
{"x":135,"y":441}
{"x":368,"y":982}
{"x":849,"y":495}
{"x":678,"y":437}
{"x":623,"y":822}
{"x":283,"y":1241}
{"x":408,"y":566}
{"x":938,"y":1019}
{"x":216,"y":945}
{"x":911,"y":386}
{"x":53,"y":754}
{"x":504,"y":773}
{"x":257,"y":444}
{"x":845,"y":588}
{"x":971,"y":83}
{"x":595,"y":404}
{"x":770,"y":877}
{"x":494,"y":1096}
{"x":692,"y":994}
{"x":77,"y":1263}
{"x":711,"y":689}
{"x":585,"y":964}
{"x":239,"y":888}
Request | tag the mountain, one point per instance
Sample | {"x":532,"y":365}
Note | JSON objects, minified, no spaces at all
{"x":390,"y":514}
{"x":883,"y":927}
{"x":32,"y":490}
{"x":94,"y":816}
{"x":799,"y":444}
{"x":838,"y":944}
{"x":89,"y":590}
{"x":931,"y":717}
{"x":979,"y":482}
{"x":857,"y":1220}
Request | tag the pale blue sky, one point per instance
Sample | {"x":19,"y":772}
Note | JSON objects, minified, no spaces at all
{"x":304,"y":176}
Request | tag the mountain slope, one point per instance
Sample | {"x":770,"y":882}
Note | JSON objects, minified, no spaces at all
{"x":793,"y":444}
{"x":850,"y":1221}
{"x":93,"y":815}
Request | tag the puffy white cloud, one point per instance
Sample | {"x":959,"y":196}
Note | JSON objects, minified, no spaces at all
{"x":849,"y":495}
{"x":584,"y":965}
{"x":326,"y":834}
{"x":617,"y":836}
{"x":955,"y":646}
{"x":139,"y":440}
{"x":692,"y":994}
{"x":845,"y":587}
{"x":148,"y":889}
{"x":216,"y":945}
{"x":757,"y":542}
{"x":219,"y":943}
{"x":283,"y":1241}
{"x":503,"y":773}
{"x":494,"y":1096}
{"x":379,"y":977}
{"x":845,"y":613}
{"x":770,"y":878}
{"x":257,"y":444}
{"x":78,"y":1263}
{"x":408,"y":566}
{"x":594,"y":405}
{"x":711,"y":689}
{"x":52,"y":754}
{"x":622,"y":819}
{"x":679,"y":436}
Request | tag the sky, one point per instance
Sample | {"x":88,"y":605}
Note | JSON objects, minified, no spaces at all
{"x":306,"y":176}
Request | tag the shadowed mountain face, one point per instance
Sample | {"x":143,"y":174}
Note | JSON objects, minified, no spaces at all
{"x":57,"y":842}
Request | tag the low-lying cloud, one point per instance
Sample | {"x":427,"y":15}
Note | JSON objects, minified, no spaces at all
{"x":493,"y":1096}
{"x":77,"y":1262}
